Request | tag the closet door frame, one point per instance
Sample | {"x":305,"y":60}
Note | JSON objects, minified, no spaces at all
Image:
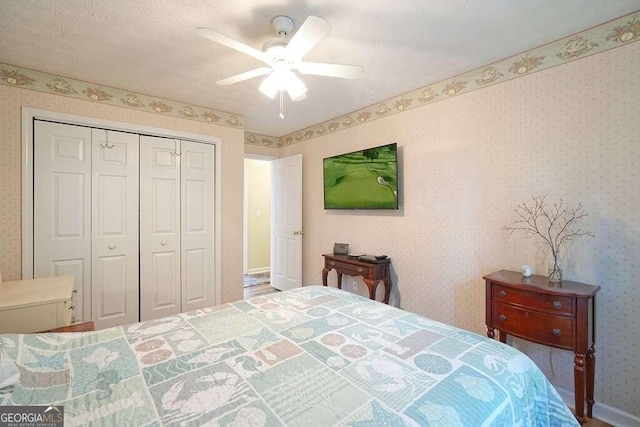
{"x":31,"y":114}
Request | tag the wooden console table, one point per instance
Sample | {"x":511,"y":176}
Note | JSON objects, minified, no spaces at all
{"x":560,"y":316}
{"x":372,"y":273}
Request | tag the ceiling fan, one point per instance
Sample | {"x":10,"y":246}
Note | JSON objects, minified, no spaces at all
{"x":283,"y":55}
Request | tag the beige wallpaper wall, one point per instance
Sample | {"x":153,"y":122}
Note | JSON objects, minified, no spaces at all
{"x":258,"y":186}
{"x":569,"y":132}
{"x":11,"y":101}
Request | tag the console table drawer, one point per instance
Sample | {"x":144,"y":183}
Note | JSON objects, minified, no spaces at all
{"x":349,"y":269}
{"x":534,"y":326}
{"x":552,"y":304}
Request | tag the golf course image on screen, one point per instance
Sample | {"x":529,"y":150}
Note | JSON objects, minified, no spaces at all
{"x":364,"y":179}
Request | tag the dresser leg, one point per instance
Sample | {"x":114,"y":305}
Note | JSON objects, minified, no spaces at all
{"x":578,"y":383}
{"x":491,"y":333}
{"x":591,"y":370}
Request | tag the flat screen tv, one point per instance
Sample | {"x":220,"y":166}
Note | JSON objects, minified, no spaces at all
{"x":363,"y":179}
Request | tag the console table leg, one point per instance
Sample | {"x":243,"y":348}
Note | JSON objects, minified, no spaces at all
{"x":325,"y":272}
{"x":339,"y":279}
{"x":591,"y":370}
{"x":578,"y":380}
{"x":372,"y":288}
{"x":387,"y":289}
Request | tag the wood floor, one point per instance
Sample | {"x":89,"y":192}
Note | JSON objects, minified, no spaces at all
{"x":266,"y":288}
{"x":255,"y":291}
{"x":592,"y":422}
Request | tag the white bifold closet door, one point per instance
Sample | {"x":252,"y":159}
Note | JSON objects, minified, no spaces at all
{"x":86,"y":217}
{"x":114,"y":246}
{"x":62,"y":208}
{"x":176,"y":226}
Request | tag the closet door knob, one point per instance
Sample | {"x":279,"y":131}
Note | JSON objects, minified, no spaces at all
{"x":163,"y":243}
{"x":112,"y":247}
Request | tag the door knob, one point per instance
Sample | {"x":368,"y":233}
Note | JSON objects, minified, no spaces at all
{"x":112,"y":246}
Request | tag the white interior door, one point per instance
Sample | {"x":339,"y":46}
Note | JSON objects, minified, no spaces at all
{"x":286,"y":223}
{"x":114,"y":270}
{"x":197,"y":191}
{"x":159,"y":227}
{"x":62,"y":207}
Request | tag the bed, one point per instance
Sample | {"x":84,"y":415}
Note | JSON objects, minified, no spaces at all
{"x":314,"y":356}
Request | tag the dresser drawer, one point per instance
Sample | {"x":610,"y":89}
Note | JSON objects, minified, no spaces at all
{"x":534,"y":326}
{"x":346,"y":268}
{"x":552,"y":304}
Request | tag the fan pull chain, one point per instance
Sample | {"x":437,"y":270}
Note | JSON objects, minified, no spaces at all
{"x":281,"y":115}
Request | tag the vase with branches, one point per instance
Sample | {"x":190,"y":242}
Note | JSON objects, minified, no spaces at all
{"x":553,"y":225}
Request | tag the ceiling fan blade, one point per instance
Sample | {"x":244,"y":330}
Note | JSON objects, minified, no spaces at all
{"x":299,"y":97}
{"x":229,"y":42}
{"x":313,"y":30}
{"x":331,"y":70}
{"x":244,"y":76}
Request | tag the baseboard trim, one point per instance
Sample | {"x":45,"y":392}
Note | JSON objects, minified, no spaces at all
{"x":606,"y":413}
{"x":260,"y":270}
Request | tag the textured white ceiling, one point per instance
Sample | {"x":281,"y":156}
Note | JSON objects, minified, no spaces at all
{"x":150,"y":46}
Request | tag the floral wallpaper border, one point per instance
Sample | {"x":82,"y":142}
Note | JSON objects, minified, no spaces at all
{"x":612,"y":34}
{"x":258,"y":139}
{"x":10,"y":75}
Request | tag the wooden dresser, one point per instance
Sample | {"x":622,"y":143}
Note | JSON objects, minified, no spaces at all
{"x":34,"y":305}
{"x":372,"y":273}
{"x":558,"y":315}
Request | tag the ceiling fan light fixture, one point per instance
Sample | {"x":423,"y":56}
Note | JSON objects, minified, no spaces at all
{"x":281,"y":80}
{"x":296,"y":88}
{"x":268,"y":88}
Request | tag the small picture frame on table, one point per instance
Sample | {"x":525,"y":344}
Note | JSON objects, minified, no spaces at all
{"x":340,"y":248}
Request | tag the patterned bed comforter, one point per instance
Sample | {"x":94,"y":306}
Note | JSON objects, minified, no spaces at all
{"x":314,"y":356}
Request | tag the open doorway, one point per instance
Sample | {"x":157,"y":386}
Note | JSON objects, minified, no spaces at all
{"x":257,"y":226}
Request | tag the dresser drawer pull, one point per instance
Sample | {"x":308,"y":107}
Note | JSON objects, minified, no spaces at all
{"x":360,"y":269}
{"x":502,"y":317}
{"x":557,"y":304}
{"x":71,"y":307}
{"x":332,"y":263}
{"x":75,"y":291}
{"x":557,"y":332}
{"x":503,"y":294}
